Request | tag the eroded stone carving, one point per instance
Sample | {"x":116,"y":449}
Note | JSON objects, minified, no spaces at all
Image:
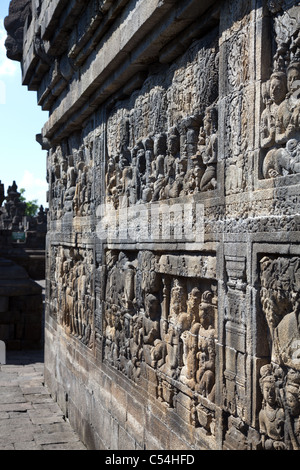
{"x":157,"y":153}
{"x":71,"y":181}
{"x":73,"y":298}
{"x":157,"y":168}
{"x":172,"y":330}
{"x":162,"y":321}
{"x":279,"y":418}
{"x":280,"y":132}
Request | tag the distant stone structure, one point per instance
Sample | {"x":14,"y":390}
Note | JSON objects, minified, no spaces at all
{"x":22,"y":237}
{"x":22,"y":259}
{"x":172,"y":303}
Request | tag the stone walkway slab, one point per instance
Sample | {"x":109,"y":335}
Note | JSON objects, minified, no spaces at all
{"x":29,"y":418}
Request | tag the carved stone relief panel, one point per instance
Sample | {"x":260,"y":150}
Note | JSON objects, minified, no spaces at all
{"x":160,"y":318}
{"x":163,"y":142}
{"x":71,"y":289}
{"x":279,"y":418}
{"x":280,"y":131}
{"x":238,"y":102}
{"x":70,"y":177}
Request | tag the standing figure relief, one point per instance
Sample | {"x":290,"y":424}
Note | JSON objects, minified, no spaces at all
{"x":280,"y":379}
{"x":159,"y":321}
{"x":280,"y":130}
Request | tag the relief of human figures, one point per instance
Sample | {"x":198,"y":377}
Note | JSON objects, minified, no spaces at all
{"x":164,"y":322}
{"x":280,"y":130}
{"x":166,"y":165}
{"x":73,"y":277}
{"x":199,"y":347}
{"x":71,"y":184}
{"x":280,"y":379}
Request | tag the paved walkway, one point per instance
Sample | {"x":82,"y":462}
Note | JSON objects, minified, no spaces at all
{"x":29,"y":417}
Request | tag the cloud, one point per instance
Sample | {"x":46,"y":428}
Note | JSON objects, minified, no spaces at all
{"x":35,"y":188}
{"x":8,"y":68}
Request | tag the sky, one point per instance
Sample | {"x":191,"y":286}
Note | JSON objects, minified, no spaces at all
{"x":21,"y":157}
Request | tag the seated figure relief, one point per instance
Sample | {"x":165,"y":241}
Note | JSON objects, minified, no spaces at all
{"x":168,"y":165}
{"x":280,"y":131}
{"x":168,"y":327}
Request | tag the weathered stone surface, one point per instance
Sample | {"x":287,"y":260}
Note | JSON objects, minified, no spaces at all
{"x":22,"y":236}
{"x":21,"y":308}
{"x":19,"y":14}
{"x":173,"y":244}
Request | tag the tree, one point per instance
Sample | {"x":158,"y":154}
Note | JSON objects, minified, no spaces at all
{"x":32,"y":207}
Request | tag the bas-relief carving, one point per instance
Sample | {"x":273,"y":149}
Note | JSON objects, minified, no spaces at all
{"x":280,"y":131}
{"x":71,"y":180}
{"x":156,"y":318}
{"x":157,"y":152}
{"x":72,"y":280}
{"x":237,"y":103}
{"x":279,"y":418}
{"x":158,"y":168}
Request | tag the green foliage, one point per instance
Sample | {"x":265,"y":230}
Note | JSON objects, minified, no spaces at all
{"x":31,"y":206}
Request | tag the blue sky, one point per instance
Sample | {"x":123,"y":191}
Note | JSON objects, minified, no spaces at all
{"x":21,"y":157}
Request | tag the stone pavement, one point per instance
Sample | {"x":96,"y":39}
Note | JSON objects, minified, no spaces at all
{"x":29,"y":417}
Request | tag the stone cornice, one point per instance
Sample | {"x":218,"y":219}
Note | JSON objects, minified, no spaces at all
{"x":74,"y":72}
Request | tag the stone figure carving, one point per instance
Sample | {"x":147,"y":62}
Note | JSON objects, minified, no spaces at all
{"x":274,"y":93}
{"x":151,"y":328}
{"x":208,"y":147}
{"x":162,"y":322}
{"x":73,"y":274}
{"x":205,"y":376}
{"x":280,"y":301}
{"x":166,"y":165}
{"x":272,"y":416}
{"x":71,"y":183}
{"x":292,"y":400}
{"x":280,"y":131}
{"x":198,"y":338}
{"x":287,"y":123}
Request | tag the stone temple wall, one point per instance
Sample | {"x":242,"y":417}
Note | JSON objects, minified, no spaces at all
{"x":173,"y":256}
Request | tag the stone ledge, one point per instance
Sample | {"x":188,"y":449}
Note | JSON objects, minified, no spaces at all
{"x":129,"y":49}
